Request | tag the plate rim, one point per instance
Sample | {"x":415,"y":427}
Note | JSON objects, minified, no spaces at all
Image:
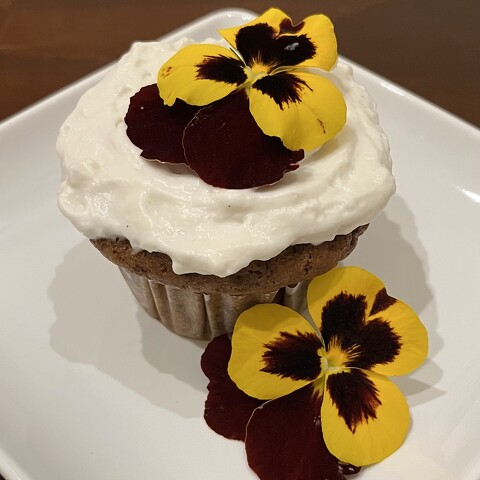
{"x":10,"y":469}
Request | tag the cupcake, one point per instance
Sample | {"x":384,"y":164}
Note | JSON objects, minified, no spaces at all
{"x":220,"y":178}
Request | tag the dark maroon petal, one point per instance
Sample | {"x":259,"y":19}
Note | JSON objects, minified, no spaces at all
{"x":260,"y":44}
{"x":294,"y":356}
{"x":227,"y":409}
{"x":355,"y":396}
{"x":372,"y":343}
{"x":226,"y":148}
{"x":348,"y":469}
{"x":285,"y":441}
{"x":156,"y":128}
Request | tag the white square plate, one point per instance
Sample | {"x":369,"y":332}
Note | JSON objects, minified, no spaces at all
{"x":92,"y":388}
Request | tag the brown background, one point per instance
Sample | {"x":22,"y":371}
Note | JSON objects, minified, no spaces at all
{"x":428,"y":46}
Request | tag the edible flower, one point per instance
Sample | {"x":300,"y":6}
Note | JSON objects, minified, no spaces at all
{"x":242,"y":117}
{"x":313,"y":396}
{"x":270,"y":59}
{"x":241,"y":156}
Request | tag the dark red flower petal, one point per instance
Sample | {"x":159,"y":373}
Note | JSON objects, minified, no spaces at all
{"x":156,"y":128}
{"x":285,"y":441}
{"x":227,"y":408}
{"x":226,"y":148}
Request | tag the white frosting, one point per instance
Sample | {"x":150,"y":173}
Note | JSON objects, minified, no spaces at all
{"x":109,"y":190}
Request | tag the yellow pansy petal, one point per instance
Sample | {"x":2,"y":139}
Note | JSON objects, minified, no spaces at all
{"x":365,"y":417}
{"x":272,"y":17}
{"x":303,"y":109}
{"x":274,"y":352}
{"x":200,"y":74}
{"x":375,"y":331}
{"x":319,"y":30}
{"x":413,"y":339}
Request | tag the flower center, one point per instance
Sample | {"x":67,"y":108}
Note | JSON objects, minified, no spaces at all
{"x":333,"y":359}
{"x":255,"y":72}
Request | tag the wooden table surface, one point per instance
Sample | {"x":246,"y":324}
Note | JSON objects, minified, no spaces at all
{"x":431,"y":47}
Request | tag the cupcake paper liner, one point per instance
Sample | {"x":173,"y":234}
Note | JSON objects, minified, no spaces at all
{"x":201,"y":315}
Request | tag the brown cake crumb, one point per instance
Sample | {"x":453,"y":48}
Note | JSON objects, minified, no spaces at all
{"x":295,"y":264}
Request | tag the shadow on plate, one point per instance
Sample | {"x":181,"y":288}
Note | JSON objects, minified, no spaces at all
{"x":99,"y":323}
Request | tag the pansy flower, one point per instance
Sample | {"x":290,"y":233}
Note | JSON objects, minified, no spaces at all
{"x":321,"y":387}
{"x":268,"y":58}
{"x":242,"y":116}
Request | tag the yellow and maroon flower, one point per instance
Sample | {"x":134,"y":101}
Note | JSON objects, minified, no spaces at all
{"x":332,"y":373}
{"x":284,"y":439}
{"x":242,"y":117}
{"x":271,"y":59}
